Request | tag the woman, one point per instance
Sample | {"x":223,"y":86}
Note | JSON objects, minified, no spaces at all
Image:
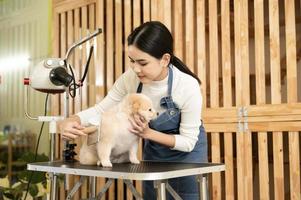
{"x":177,"y":134}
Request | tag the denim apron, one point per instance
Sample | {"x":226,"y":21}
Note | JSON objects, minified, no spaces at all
{"x":169,"y":122}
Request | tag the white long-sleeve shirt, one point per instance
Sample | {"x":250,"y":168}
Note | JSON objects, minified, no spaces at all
{"x":185,"y":93}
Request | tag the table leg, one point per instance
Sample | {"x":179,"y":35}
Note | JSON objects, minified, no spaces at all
{"x":75,"y":187}
{"x":172,"y":192}
{"x":203,"y":185}
{"x":161,"y":189}
{"x":130,"y":185}
{"x":105,"y":188}
{"x":53,"y":186}
{"x":92,"y":186}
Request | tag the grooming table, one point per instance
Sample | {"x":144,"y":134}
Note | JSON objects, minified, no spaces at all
{"x":159,"y":172}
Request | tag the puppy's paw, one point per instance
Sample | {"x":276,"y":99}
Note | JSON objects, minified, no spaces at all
{"x":98,"y":163}
{"x":135,"y":161}
{"x":106,"y":163}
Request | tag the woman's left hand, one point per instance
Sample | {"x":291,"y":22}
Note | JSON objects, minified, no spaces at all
{"x":139,"y":126}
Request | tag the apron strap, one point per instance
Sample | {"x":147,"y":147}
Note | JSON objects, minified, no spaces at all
{"x":139,"y":89}
{"x":170,"y":79}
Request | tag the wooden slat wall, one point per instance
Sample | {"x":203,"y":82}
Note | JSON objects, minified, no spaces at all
{"x":236,"y":48}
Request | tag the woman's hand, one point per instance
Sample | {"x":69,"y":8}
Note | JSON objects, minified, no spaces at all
{"x":71,"y":128}
{"x":139,"y":126}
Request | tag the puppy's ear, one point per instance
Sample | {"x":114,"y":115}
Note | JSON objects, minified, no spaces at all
{"x":135,"y":106}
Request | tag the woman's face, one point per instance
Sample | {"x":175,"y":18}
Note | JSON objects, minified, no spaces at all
{"x":147,"y":67}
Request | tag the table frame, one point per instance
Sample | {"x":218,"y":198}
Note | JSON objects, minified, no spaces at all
{"x":159,"y":172}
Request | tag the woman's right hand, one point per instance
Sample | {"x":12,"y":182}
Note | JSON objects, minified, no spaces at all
{"x":71,"y":128}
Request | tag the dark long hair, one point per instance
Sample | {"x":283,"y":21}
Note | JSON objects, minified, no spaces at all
{"x":155,"y":39}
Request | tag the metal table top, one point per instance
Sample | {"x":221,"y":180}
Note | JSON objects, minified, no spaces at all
{"x":146,"y":170}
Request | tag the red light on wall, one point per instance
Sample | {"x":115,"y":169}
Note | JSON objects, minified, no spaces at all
{"x":26,"y":81}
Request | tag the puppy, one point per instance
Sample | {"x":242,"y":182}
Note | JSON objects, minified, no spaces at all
{"x":117,"y":144}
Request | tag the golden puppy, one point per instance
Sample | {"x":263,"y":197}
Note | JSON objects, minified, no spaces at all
{"x":117,"y":144}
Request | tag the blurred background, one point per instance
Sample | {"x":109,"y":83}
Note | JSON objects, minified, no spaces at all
{"x":25,"y":37}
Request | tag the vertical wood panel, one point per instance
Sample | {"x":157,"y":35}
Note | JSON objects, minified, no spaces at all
{"x":226,"y":53}
{"x":227,"y":95}
{"x":263,"y":165}
{"x":214,"y":91}
{"x":201,"y":45}
{"x":244,"y":37}
{"x":213,"y":54}
{"x":70,"y":41}
{"x":291,"y":54}
{"x":99,"y":55}
{"x":109,"y":44}
{"x":92,"y":78}
{"x":275,"y":51}
{"x":259,"y":53}
{"x":189,"y":34}
{"x":291,"y":63}
{"x":146,"y":10}
{"x":77,"y":61}
{"x":127,"y":29}
{"x":238,"y":91}
{"x":167,"y":13}
{"x":276,"y":96}
{"x":63,"y":34}
{"x":160,"y":11}
{"x":55,"y":53}
{"x":178,"y":32}
{"x":164,"y":12}
{"x":261,"y":98}
{"x":154,"y":10}
{"x":136,"y":13}
{"x":118,"y":38}
{"x":84,"y":28}
{"x":63,"y":49}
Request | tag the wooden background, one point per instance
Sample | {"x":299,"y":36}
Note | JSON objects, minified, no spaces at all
{"x":247,"y":55}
